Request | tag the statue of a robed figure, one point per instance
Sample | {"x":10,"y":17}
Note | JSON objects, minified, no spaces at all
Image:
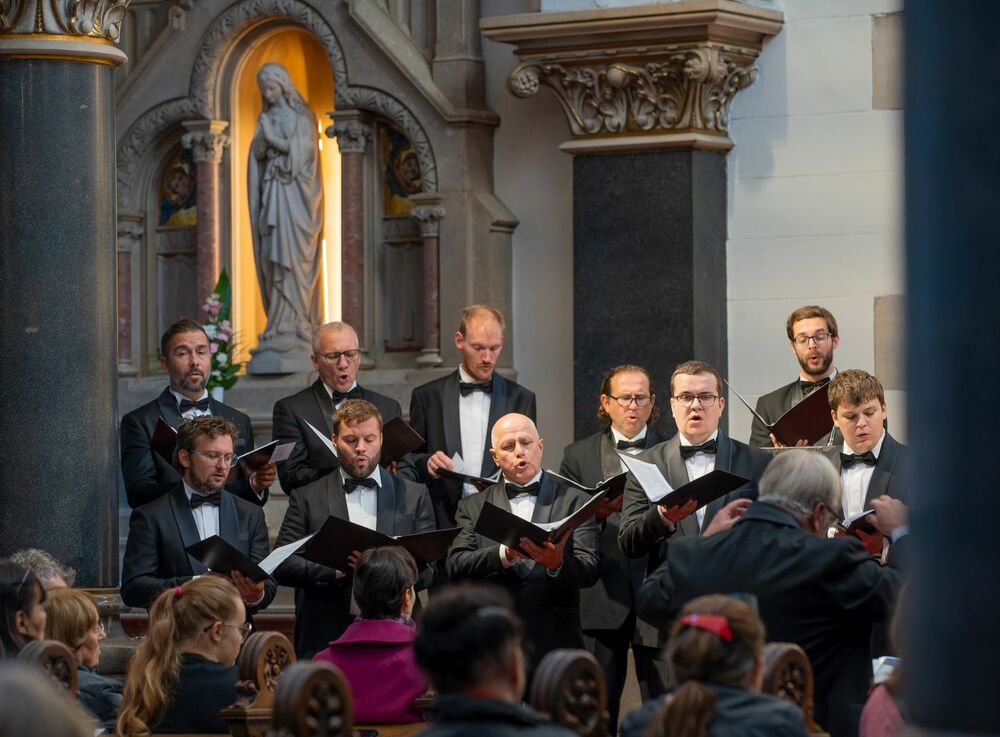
{"x":286,"y":220}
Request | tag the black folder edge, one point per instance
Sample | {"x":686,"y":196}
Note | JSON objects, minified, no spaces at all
{"x":221,"y":557}
{"x":408,"y":440}
{"x":859,"y":523}
{"x":252,"y":460}
{"x":806,"y":405}
{"x":615,"y":485}
{"x":342,"y":530}
{"x":164,"y":439}
{"x":705,"y":490}
{"x":773,"y":427}
{"x":478,"y":481}
{"x":507,"y":528}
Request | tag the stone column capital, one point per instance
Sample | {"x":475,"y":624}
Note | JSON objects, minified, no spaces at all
{"x":130,"y":229}
{"x":82,"y":30}
{"x":206,"y":138}
{"x":655,"y":76}
{"x":352,"y":129}
{"x":428,"y":219}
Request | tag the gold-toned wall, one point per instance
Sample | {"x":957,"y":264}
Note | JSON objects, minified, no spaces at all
{"x":303,"y":56}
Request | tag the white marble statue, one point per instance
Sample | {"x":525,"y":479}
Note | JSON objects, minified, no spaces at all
{"x":286,"y":219}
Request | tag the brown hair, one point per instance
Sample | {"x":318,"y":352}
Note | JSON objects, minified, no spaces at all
{"x":856,"y":387}
{"x":20,"y":590}
{"x":191,"y":430}
{"x":178,"y":615}
{"x":625,"y":368}
{"x":479,"y":312}
{"x":699,"y":655}
{"x":354,"y":411}
{"x":693,"y":368}
{"x":804,"y":313}
{"x":72,"y":614}
{"x":184,"y":325}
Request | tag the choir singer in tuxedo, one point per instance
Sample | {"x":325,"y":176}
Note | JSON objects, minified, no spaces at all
{"x":361,"y":492}
{"x":457,"y":412}
{"x":187,"y":360}
{"x":627,"y":406}
{"x":545,"y":584}
{"x":336,"y":357}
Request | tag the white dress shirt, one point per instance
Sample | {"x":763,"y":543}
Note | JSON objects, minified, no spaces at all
{"x":523,"y":506}
{"x":473,"y":420}
{"x":616,"y":436}
{"x":856,"y":479}
{"x":330,"y":392}
{"x":362,"y":503}
{"x":194,"y":411}
{"x":206,"y":517}
{"x":698,"y":465}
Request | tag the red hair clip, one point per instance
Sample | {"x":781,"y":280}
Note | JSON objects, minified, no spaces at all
{"x":714,"y":623}
{"x":178,"y":592}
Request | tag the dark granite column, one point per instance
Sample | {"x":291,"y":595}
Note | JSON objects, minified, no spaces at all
{"x":952,"y":637}
{"x":58,"y":356}
{"x":649,"y":268}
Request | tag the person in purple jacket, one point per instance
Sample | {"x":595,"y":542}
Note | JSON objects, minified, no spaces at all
{"x":376,"y":651}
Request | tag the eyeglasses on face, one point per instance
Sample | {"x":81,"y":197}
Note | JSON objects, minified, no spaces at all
{"x":686,"y":400}
{"x":214,"y":457}
{"x":244,"y":629}
{"x":641,"y":400}
{"x":352,"y":355}
{"x":820,"y":338}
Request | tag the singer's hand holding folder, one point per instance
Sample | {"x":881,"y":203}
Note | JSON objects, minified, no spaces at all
{"x":808,"y":420}
{"x":704,"y":490}
{"x":252,"y":460}
{"x":462,"y":473}
{"x":221,"y":557}
{"x":338,"y":538}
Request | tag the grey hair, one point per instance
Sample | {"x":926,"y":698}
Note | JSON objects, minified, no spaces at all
{"x":331,"y":326}
{"x":798,"y":480}
{"x":44,"y":566}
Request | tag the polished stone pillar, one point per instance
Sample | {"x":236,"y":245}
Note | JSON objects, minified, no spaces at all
{"x":207,"y":140}
{"x":353,"y":131}
{"x":951,"y":654}
{"x":58,"y":243}
{"x":428,"y":215}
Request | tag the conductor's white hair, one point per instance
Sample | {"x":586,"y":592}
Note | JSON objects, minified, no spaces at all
{"x":797,"y":480}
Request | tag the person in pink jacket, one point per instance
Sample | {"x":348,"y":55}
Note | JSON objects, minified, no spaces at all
{"x":376,"y":651}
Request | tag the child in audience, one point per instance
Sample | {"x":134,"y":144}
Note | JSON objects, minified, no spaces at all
{"x":22,"y":616}
{"x":72,"y":620}
{"x":184,"y":674}
{"x":376,"y":652}
{"x":716,"y":650}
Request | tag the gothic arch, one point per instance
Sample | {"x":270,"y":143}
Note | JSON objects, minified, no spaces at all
{"x":135,"y":152}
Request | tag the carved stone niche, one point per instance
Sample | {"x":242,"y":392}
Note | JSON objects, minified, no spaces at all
{"x":653,"y":76}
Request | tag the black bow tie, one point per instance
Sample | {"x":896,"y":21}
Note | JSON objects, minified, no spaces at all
{"x":468,"y":387}
{"x":201,"y":405}
{"x":352,"y":484}
{"x":709,"y":446}
{"x":339,"y":397}
{"x":213,"y":500}
{"x":626,"y":444}
{"x":849,"y":459}
{"x":514,"y":490}
{"x":808,"y":387}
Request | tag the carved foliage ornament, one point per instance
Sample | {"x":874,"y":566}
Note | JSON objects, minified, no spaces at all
{"x":100,"y":19}
{"x":205,"y":145}
{"x":352,"y":135}
{"x":690,"y":90}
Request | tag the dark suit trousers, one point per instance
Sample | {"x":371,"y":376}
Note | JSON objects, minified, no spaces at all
{"x":611,"y":647}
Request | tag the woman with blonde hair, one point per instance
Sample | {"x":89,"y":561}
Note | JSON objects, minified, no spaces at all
{"x":715,"y":651}
{"x":72,"y":620}
{"x":184,"y":674}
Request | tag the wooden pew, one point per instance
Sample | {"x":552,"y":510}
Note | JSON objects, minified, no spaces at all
{"x":788,"y":675}
{"x":55,"y":659}
{"x":264,"y":657}
{"x":569,"y":688}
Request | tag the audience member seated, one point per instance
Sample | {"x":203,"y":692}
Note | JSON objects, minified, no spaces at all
{"x":72,"y":620}
{"x":22,"y":616}
{"x":32,"y":707}
{"x":716,"y":651}
{"x":49,"y":571}
{"x":184,"y":674}
{"x":470,"y":646}
{"x":376,"y":651}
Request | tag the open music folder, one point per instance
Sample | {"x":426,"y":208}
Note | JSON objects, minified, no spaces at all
{"x":338,"y":538}
{"x":808,"y":420}
{"x":252,"y":460}
{"x":704,"y":491}
{"x":221,"y":557}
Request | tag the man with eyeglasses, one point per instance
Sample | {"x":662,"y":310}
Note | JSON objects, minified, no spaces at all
{"x":186,"y":358}
{"x":336,"y":357}
{"x":196,"y":508}
{"x":627,"y":407}
{"x":813,"y":336}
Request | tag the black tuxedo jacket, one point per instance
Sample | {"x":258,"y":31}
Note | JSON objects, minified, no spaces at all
{"x":159,"y":532}
{"x":434,"y":414}
{"x":774,"y":405}
{"x":322,"y":601}
{"x":822,"y":594}
{"x":148,"y":474}
{"x":607,"y":604}
{"x":311,"y":459}
{"x":548,"y":604}
{"x":888,"y":473}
